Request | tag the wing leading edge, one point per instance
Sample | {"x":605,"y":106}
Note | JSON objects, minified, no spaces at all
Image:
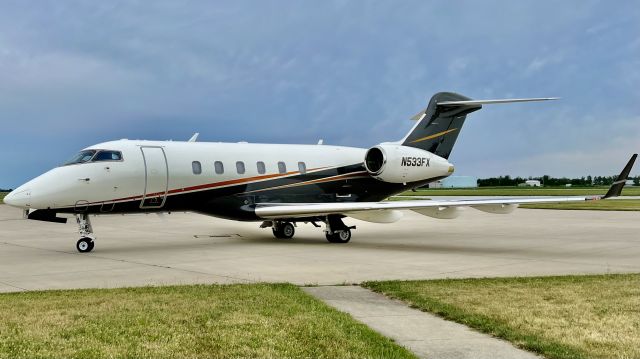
{"x":492,"y":205}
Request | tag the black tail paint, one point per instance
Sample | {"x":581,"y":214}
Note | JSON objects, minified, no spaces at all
{"x":440,"y":125}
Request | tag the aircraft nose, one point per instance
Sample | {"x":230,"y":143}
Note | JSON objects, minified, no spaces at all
{"x":18,"y":199}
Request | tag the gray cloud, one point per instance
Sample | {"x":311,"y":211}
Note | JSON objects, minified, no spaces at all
{"x":351,"y":72}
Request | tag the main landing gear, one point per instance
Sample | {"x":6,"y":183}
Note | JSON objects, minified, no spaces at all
{"x":342,"y":236}
{"x":336,"y":232}
{"x":85,"y":243}
{"x":283,"y":230}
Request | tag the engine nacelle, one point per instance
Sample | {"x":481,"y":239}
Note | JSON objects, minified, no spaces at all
{"x":402,"y":164}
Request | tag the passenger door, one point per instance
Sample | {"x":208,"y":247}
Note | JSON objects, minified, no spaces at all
{"x":156,"y":174}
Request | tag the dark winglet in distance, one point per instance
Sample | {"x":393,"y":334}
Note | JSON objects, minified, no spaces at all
{"x":616,"y":188}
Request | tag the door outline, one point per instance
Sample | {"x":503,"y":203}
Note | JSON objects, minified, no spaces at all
{"x":81,"y":206}
{"x":146,"y":178}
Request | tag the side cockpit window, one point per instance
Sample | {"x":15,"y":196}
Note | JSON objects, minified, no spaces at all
{"x":82,"y":157}
{"x":108,"y":156}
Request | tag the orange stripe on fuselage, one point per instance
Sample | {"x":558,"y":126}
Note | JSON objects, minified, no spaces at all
{"x":211,"y":185}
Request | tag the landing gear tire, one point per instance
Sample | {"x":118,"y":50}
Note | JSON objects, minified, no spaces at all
{"x":284,"y":230}
{"x":85,"y":245}
{"x":342,"y":236}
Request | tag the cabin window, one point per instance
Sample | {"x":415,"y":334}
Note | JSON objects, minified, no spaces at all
{"x":82,"y":157}
{"x":240,"y":167}
{"x":108,"y":156}
{"x":261,"y":168}
{"x":196,"y":167}
{"x":282,"y":168}
{"x":302,"y":168}
{"x":219,"y":167}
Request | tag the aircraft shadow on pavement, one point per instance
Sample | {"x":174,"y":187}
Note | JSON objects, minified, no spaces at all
{"x":228,"y":241}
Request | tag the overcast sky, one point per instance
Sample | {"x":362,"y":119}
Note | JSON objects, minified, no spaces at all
{"x":351,"y":72}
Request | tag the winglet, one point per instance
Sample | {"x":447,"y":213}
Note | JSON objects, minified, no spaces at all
{"x":194,"y":137}
{"x":616,"y":188}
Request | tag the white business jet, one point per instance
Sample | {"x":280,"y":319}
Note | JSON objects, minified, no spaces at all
{"x":279,"y":185}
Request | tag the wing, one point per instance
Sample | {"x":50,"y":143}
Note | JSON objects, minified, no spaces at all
{"x":437,"y":208}
{"x":497,"y":205}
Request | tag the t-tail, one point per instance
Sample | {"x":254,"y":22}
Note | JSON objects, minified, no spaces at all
{"x":440,"y":123}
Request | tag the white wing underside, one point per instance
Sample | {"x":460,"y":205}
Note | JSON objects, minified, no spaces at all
{"x":497,"y":205}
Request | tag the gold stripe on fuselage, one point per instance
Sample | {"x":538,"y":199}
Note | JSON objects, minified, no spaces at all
{"x":345,"y":176}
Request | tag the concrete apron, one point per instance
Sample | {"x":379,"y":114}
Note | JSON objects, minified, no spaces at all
{"x":426,"y":335}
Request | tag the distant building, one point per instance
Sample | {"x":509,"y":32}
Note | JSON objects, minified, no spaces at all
{"x":456,"y":182}
{"x":629,"y":183}
{"x":533,"y":183}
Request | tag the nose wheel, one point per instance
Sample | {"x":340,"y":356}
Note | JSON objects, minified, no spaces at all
{"x":84,"y":244}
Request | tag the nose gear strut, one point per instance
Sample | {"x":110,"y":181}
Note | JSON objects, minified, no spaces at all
{"x":85,"y":243}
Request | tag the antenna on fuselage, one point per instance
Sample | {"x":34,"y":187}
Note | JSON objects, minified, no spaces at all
{"x":194,"y":137}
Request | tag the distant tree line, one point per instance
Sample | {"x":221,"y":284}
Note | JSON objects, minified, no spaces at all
{"x":5,"y":190}
{"x":552,"y":181}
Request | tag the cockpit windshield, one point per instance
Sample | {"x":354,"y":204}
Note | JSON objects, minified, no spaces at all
{"x":82,"y":157}
{"x":94,"y":156}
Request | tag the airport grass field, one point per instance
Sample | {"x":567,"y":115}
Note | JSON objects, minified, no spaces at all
{"x":593,"y":316}
{"x":2,"y":194}
{"x":521,"y":191}
{"x":609,"y":205}
{"x":215,"y":321}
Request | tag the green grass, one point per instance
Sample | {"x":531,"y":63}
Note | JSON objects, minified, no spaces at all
{"x":520,"y":191}
{"x":595,"y":316}
{"x":608,"y":205}
{"x":212,"y":321}
{"x":2,"y":194}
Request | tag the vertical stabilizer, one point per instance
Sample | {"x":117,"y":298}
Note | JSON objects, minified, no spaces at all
{"x":439,"y":125}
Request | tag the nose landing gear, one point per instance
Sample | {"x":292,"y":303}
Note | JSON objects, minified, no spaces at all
{"x":84,"y":244}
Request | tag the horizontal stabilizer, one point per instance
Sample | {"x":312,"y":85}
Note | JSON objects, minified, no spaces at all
{"x":488,"y":102}
{"x":439,"y":124}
